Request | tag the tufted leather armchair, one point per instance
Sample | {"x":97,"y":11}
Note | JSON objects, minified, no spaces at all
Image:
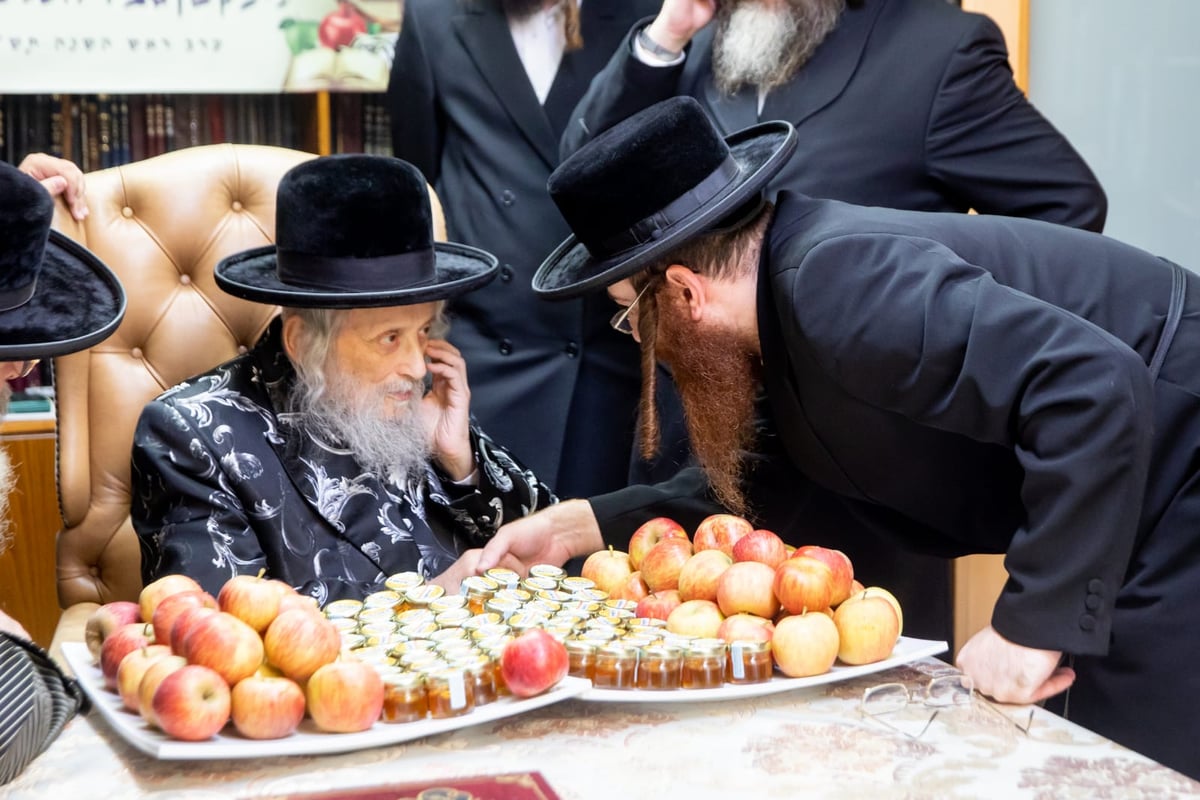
{"x":162,"y":225}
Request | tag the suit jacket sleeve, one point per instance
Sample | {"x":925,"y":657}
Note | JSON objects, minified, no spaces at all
{"x":994,"y":150}
{"x":417,"y":122}
{"x":916,"y":331}
{"x":38,"y":701}
{"x":624,"y":87}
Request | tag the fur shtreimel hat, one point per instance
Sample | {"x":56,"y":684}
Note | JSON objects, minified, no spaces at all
{"x":649,"y":184}
{"x":56,"y":297}
{"x":354,"y":231}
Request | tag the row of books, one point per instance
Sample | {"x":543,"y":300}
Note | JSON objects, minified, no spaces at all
{"x":99,"y":131}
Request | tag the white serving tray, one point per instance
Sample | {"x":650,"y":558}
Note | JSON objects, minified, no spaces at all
{"x":906,"y":650}
{"x":305,"y":741}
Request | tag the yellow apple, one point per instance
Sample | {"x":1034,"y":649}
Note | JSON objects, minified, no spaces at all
{"x":867,"y":629}
{"x":804,"y":645}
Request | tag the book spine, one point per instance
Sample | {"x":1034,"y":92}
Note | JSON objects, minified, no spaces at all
{"x":104,"y":134}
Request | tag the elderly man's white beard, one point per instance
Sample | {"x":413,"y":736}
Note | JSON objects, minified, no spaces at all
{"x":8,"y":478}
{"x":762,"y":46}
{"x":353,"y":415}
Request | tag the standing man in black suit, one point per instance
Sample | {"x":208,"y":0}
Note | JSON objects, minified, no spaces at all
{"x":907,"y":104}
{"x":480,"y":93}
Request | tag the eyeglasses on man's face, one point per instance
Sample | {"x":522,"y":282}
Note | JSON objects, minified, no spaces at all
{"x":620,"y":320}
{"x":941,"y":693}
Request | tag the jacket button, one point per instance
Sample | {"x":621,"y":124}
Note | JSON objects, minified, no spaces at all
{"x":1092,"y":602}
{"x":1095,"y":586}
{"x":572,"y":349}
{"x":506,"y":273}
{"x":507,"y":197}
{"x":1087,"y":622}
{"x":505,"y":347}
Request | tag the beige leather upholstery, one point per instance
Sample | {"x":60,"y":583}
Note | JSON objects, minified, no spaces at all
{"x":162,"y":225}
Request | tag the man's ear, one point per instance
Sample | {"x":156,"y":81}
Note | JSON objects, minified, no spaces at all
{"x":293,"y":328}
{"x":692,"y":286}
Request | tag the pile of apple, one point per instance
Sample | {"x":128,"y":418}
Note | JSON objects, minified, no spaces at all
{"x":737,"y":583}
{"x":259,"y":654}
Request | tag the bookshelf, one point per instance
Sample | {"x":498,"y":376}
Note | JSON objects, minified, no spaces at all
{"x":98,"y":131}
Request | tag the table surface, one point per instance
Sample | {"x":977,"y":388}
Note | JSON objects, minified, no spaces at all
{"x":811,"y":743}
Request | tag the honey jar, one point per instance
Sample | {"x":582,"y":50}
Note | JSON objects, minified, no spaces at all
{"x":659,"y":667}
{"x":704,"y":664}
{"x":343,"y":608}
{"x":448,"y":602}
{"x":452,"y":618}
{"x":749,"y":662}
{"x":451,"y":693}
{"x":507,"y":578}
{"x":478,"y":589}
{"x":575,"y":585}
{"x":548,"y":571}
{"x":401,"y":582}
{"x":404,"y":697}
{"x":480,"y":670}
{"x":414,"y":615}
{"x":387,"y":598}
{"x":421,"y":596}
{"x":533,"y":584}
{"x":581,"y":658}
{"x":616,"y":666}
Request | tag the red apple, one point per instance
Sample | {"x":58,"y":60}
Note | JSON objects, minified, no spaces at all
{"x":659,"y":605}
{"x":607,"y":568}
{"x":173,"y":605}
{"x":298,"y":642}
{"x":183,"y":625}
{"x":153,"y":593}
{"x":304,"y":602}
{"x":266,"y":708}
{"x":662,"y":565}
{"x":760,"y":545}
{"x":633,"y":588}
{"x":345,"y":696}
{"x":856,"y":586}
{"x":719,"y":532}
{"x":838,"y":563}
{"x":649,"y":534}
{"x":252,"y":599}
{"x":803,"y":583}
{"x":192,"y":703}
{"x":121,"y":642}
{"x":533,"y":662}
{"x":151,"y":679}
{"x":700,"y":574}
{"x":340,"y":26}
{"x":700,"y":618}
{"x":748,"y":588}
{"x":867,"y":628}
{"x":224,"y":643}
{"x":133,"y":667}
{"x":746,"y":628}
{"x":106,"y":619}
{"x":804,"y":645}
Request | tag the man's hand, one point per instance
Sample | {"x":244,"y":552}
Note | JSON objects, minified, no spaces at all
{"x":58,"y":176}
{"x":550,"y":536}
{"x":1012,"y":673}
{"x":679,"y":20}
{"x":447,"y":410}
{"x":467,"y":565}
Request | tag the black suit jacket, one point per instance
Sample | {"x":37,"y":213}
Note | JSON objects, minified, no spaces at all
{"x":551,"y":381}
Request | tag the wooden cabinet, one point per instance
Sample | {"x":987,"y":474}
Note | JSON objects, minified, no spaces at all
{"x":27,"y":571}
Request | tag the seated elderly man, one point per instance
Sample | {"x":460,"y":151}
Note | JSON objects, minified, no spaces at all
{"x":340,"y":449}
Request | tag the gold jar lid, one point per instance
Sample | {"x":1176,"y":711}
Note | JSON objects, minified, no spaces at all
{"x":414,"y":615}
{"x":706,"y":647}
{"x":449,"y":602}
{"x":587,"y":608}
{"x":403,"y":581}
{"x":424,"y":594}
{"x":505,"y":577}
{"x":593,"y":595}
{"x":576,"y":584}
{"x":553,"y":596}
{"x":350,"y":641}
{"x":648,"y":622}
{"x":447,"y":646}
{"x":661,"y":652}
{"x":400,"y":649}
{"x":744,"y":646}
{"x":403,"y":680}
{"x":373,"y":655}
{"x":452,"y":618}
{"x":622,"y":604}
{"x":490,"y":631}
{"x":515,"y":595}
{"x":377,"y":614}
{"x":504,"y":607}
{"x":639,"y":639}
{"x":535,"y":584}
{"x":479,"y":584}
{"x":524,"y":620}
{"x":418,"y":659}
{"x":343,"y":608}
{"x":540,"y":606}
{"x":581,"y":646}
{"x":388,"y":598}
{"x":381,"y":628}
{"x":442,"y":634}
{"x":479,"y":620}
{"x":474,"y":663}
{"x":623,"y":614}
{"x":495,"y":645}
{"x":548,"y":571}
{"x":344,"y":624}
{"x":419,"y":630}
{"x":599,"y":634}
{"x":617,"y":650}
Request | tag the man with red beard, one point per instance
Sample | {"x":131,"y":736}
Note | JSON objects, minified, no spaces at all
{"x":340,"y":449}
{"x":907,"y":104}
{"x":55,"y":298}
{"x":956,"y":384}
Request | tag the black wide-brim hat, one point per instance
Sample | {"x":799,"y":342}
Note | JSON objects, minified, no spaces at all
{"x":56,"y":296}
{"x":650,"y":183}
{"x":354,"y":231}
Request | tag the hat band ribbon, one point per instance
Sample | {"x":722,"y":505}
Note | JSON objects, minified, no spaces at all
{"x":15,"y":298}
{"x":347,"y":274}
{"x":656,"y":225}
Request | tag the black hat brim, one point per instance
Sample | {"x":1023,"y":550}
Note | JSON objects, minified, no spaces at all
{"x":760,"y":151}
{"x":78,"y":303}
{"x":251,"y":275}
